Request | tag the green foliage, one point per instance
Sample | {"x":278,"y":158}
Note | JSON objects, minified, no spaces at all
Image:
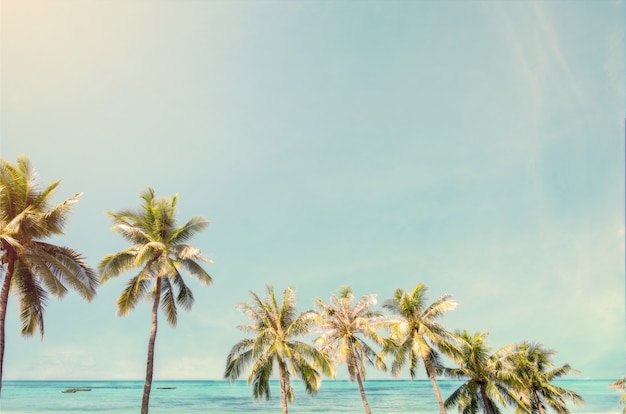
{"x":416,"y":336}
{"x":39,"y":269}
{"x":488,"y":383}
{"x":532,"y":366}
{"x":275,"y":326}
{"x":159,"y":250}
{"x":520,"y":375}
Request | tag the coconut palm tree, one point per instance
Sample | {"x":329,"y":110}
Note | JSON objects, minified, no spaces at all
{"x":620,"y":384}
{"x":159,"y":250}
{"x":33,"y":268}
{"x":416,"y":336}
{"x":346,"y":326}
{"x":532,"y":366}
{"x":275,"y":326}
{"x":488,"y":382}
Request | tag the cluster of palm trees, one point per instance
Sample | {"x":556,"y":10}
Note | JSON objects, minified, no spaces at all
{"x":34,"y":269}
{"x":350,"y":331}
{"x":517,"y":375}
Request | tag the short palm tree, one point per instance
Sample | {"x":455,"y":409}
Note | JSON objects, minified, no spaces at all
{"x":620,"y":384}
{"x":346,"y":326}
{"x":533,"y":368}
{"x":159,"y":250}
{"x":276,"y":325}
{"x":416,"y":336}
{"x":488,"y":382}
{"x":35,"y":269}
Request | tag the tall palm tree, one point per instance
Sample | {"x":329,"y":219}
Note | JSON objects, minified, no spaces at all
{"x":346,"y":326}
{"x":276,"y":325}
{"x":416,"y":336}
{"x":35,"y":269}
{"x":488,"y":382}
{"x":159,"y":250}
{"x":532,"y":366}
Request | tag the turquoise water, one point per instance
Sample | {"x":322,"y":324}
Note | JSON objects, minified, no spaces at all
{"x":124,"y":397}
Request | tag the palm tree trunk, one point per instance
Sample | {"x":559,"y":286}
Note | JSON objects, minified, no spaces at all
{"x":538,"y":402}
{"x":486,"y":404}
{"x":352,"y":365}
{"x":4,"y":300}
{"x":145,"y":401}
{"x":362,"y":391}
{"x":430,"y":369}
{"x":283,"y":386}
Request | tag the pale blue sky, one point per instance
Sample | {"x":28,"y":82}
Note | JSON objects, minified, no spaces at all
{"x":477,"y":147}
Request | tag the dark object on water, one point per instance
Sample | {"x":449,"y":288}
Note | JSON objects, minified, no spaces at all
{"x":166,"y":388}
{"x":73,"y":390}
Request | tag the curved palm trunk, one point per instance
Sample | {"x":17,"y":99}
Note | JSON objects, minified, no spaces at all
{"x":145,"y":401}
{"x":357,"y":373}
{"x":283,"y":386}
{"x":4,"y":299}
{"x":362,"y":391}
{"x":432,"y":374}
{"x":483,"y":395}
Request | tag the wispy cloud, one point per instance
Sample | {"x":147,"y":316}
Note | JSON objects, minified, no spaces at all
{"x":539,"y":62}
{"x":553,"y":48}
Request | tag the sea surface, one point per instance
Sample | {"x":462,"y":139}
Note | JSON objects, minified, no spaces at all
{"x":180,"y":397}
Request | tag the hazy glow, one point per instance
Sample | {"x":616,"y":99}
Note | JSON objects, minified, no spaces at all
{"x":476,"y":147}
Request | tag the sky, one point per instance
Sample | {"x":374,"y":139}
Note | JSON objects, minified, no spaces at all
{"x":476,"y":147}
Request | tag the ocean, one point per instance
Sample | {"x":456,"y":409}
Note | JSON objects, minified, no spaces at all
{"x":219,"y":397}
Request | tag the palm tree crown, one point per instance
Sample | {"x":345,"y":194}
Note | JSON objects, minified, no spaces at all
{"x":159,"y":250}
{"x":533,"y":368}
{"x":488,"y":382}
{"x":275,"y":326}
{"x":35,"y":269}
{"x":416,"y":336}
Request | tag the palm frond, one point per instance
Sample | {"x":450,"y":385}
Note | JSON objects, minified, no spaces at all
{"x":13,"y":243}
{"x":319,"y":360}
{"x":26,"y":224}
{"x":32,"y":300}
{"x":195,"y":270}
{"x":168,"y":302}
{"x":113,"y":265}
{"x":455,"y":397}
{"x":68,"y":266}
{"x":260,"y":376}
{"x":238,"y":359}
{"x":189,"y":229}
{"x":149,"y":252}
{"x":54,"y":220}
{"x":309,"y":375}
{"x":185,"y":295}
{"x":43,"y":267}
{"x":129,"y":231}
{"x":136,"y":289}
{"x":187,"y":252}
{"x":163,"y":266}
